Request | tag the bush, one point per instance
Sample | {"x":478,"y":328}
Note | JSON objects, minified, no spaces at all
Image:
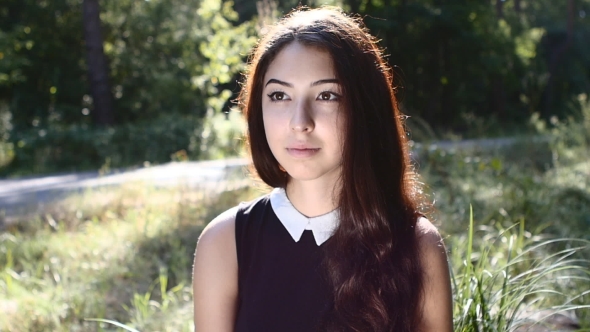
{"x":78,"y":148}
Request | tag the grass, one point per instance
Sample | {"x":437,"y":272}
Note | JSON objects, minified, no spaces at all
{"x":120,"y":259}
{"x":124,"y":255}
{"x":503,"y":285}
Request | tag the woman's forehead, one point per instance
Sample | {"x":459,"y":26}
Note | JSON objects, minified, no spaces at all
{"x":300,"y":63}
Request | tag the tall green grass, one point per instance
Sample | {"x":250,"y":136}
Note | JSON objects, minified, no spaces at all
{"x":508,"y":279}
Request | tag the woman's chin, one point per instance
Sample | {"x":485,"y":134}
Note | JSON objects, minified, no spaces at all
{"x":306,"y":175}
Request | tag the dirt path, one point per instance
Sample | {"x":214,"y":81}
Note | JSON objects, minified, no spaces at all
{"x":27,"y":195}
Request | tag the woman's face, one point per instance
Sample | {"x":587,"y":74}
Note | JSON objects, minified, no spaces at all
{"x":301,"y":108}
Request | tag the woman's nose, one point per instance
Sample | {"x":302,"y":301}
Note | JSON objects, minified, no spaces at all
{"x":302,"y":121}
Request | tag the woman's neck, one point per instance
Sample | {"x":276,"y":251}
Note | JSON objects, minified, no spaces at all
{"x":312,"y":198}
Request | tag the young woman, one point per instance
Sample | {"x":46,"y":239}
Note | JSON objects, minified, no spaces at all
{"x":339,"y":244}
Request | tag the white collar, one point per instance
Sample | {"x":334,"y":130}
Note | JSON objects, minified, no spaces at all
{"x":322,"y":226}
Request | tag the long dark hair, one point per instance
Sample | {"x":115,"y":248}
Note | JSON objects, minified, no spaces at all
{"x":372,"y":260}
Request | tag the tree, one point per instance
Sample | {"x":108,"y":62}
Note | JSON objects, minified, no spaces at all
{"x":557,"y":56}
{"x":500,"y":8}
{"x":170,"y":63}
{"x":98,"y":73}
{"x":41,"y":75}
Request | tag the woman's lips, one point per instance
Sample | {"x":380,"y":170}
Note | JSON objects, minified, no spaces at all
{"x":302,"y":152}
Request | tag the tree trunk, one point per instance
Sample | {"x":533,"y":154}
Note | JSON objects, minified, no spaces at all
{"x":354,"y":5}
{"x":500,"y":8}
{"x":498,"y":102}
{"x":246,"y":9}
{"x":557,"y":57}
{"x":98,"y":72}
{"x":517,"y":6}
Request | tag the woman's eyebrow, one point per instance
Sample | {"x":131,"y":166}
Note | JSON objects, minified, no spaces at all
{"x":326,"y":81}
{"x":274,"y":80}
{"x":316,"y":83}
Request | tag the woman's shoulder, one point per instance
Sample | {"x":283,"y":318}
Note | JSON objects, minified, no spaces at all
{"x":424,"y":225}
{"x":222,"y":227}
{"x":437,"y":301}
{"x":215,"y":273}
{"x":428,"y":234}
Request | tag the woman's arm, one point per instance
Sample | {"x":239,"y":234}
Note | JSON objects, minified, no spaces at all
{"x":215,"y":276}
{"x":437,"y":310}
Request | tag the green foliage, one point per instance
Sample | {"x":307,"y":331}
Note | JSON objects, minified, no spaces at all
{"x":460,"y":66}
{"x":173,"y":56}
{"x":41,"y":56}
{"x":153,"y":52}
{"x":570,"y":138}
{"x":223,"y":135}
{"x":543,"y":179}
{"x":157,"y":50}
{"x":86,"y":148}
{"x":164,"y":139}
{"x":464,"y":67}
{"x":168,"y":58}
{"x":448,"y":56}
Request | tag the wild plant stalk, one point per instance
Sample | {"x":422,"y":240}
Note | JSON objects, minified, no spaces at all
{"x":501,"y":284}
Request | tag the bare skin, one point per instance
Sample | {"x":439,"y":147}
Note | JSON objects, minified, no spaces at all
{"x":437,"y":308}
{"x":215,"y":275}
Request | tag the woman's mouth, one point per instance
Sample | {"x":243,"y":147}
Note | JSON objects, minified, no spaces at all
{"x":302,"y":152}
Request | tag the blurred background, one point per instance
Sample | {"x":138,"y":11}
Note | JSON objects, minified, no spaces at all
{"x":497,"y":94}
{"x":90,"y":83}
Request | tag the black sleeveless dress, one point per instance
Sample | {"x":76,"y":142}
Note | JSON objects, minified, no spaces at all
{"x":282,"y":286}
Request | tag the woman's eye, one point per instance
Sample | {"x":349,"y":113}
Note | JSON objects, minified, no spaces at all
{"x":277,"y":96}
{"x":328,"y":96}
